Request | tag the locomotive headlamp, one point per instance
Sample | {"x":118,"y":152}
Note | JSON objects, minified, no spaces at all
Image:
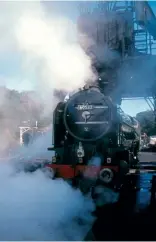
{"x":106,"y":175}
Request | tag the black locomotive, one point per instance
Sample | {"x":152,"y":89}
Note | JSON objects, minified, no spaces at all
{"x":90,"y":131}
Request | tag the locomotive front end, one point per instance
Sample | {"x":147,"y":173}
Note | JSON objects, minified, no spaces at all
{"x":94,"y":142}
{"x":83,"y":122}
{"x":88,"y":115}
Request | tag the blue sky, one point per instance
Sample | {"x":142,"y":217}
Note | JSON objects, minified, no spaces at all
{"x":10,"y":68}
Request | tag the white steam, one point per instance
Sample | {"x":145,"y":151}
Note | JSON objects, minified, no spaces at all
{"x":46,"y":52}
{"x":105,"y":195}
{"x":34,"y":207}
{"x":48,"y":42}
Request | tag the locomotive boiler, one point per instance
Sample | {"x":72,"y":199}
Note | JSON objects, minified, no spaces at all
{"x":93,"y":137}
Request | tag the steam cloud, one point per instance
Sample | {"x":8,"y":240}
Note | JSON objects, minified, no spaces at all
{"x":33,"y":207}
{"x":45,"y":47}
{"x":49,"y":42}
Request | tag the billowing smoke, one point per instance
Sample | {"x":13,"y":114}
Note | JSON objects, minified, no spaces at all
{"x":49,"y":44}
{"x":47,"y":56}
{"x":64,"y":65}
{"x":34,"y":207}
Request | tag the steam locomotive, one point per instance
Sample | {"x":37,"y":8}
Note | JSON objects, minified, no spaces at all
{"x":93,"y":137}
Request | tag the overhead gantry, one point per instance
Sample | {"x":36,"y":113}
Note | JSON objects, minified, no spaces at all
{"x":127,"y":30}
